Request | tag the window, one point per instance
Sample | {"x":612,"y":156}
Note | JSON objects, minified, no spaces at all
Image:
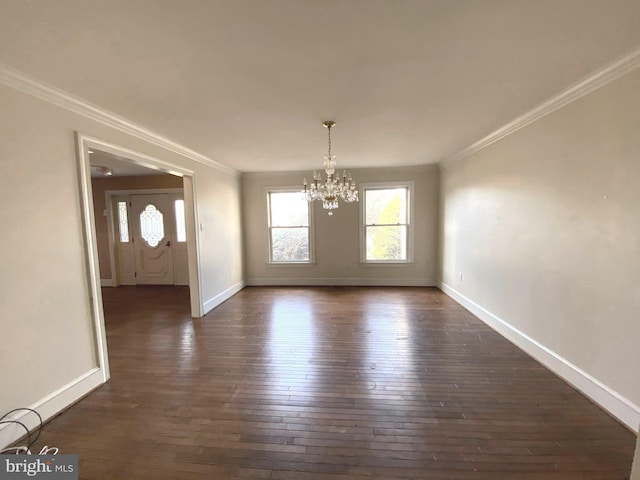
{"x":386,"y":223}
{"x":181,"y":228}
{"x":123,"y":222}
{"x":289,"y":239}
{"x":151,"y":225}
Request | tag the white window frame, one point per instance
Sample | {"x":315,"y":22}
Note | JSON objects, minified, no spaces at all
{"x":410,"y":185}
{"x":310,"y":228}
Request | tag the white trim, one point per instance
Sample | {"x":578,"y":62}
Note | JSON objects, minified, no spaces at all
{"x":277,"y":175}
{"x":83,"y":144}
{"x":310,"y":227}
{"x":221,"y":297}
{"x":91,"y":249}
{"x":50,"y":405}
{"x":106,"y":282}
{"x":138,"y":158}
{"x":620,"y":407}
{"x":22,"y":82}
{"x":193,"y":245}
{"x":338,"y":281}
{"x":86,"y":142}
{"x":600,"y":78}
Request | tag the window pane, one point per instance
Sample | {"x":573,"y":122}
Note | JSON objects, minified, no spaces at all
{"x":386,"y":206}
{"x":288,"y":209}
{"x":123,"y":222}
{"x":181,"y":229}
{"x":290,"y":244}
{"x":151,"y":225}
{"x":387,"y":243}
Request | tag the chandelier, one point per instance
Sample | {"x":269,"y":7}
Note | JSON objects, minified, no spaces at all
{"x":333,"y":187}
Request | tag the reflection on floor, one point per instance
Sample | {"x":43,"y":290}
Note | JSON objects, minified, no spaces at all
{"x":328,"y":383}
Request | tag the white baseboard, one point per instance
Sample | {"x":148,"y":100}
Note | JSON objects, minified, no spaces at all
{"x":106,"y":282}
{"x":213,"y":302}
{"x":50,"y":406}
{"x":620,"y":407}
{"x":342,"y":282}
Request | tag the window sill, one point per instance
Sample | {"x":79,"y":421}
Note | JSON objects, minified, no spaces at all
{"x":290,"y":264}
{"x":365,"y":263}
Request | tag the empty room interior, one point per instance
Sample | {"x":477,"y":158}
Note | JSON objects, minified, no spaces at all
{"x":335,"y":240}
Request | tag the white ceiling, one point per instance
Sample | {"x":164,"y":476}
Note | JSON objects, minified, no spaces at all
{"x":249,"y":82}
{"x":120,"y":166}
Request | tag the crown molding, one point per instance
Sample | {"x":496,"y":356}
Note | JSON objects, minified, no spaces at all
{"x":278,"y":174}
{"x":600,"y":78}
{"x":24,"y":83}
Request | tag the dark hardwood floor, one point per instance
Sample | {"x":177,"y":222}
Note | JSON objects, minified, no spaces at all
{"x":332,"y":384}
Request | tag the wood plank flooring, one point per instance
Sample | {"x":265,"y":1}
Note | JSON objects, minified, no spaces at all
{"x":331,"y":384}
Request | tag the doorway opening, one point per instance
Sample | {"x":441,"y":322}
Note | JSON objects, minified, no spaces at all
{"x":160,"y":226}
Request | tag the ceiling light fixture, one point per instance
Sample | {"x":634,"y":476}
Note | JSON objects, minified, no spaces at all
{"x":334,"y":187}
{"x":102,"y":170}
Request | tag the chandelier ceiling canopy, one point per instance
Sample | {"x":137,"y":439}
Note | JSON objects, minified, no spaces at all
{"x":333,"y":187}
{"x":102,"y":170}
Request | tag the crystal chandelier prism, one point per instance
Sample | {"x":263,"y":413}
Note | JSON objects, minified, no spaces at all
{"x":333,"y":187}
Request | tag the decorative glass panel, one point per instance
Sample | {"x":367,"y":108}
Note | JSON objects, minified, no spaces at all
{"x":181,"y":229}
{"x":151,"y":225}
{"x":123,"y":222}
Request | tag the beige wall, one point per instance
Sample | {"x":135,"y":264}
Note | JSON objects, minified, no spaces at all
{"x":337,"y":237}
{"x":99,"y":186}
{"x":544,"y":228}
{"x":47,"y":339}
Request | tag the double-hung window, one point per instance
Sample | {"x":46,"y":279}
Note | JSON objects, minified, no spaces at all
{"x":289,"y":227}
{"x":386,"y":226}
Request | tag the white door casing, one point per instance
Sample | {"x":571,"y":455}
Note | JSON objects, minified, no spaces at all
{"x":84,"y":144}
{"x":152,"y":235}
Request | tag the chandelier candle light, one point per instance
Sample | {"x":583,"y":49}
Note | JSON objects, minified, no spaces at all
{"x":334,"y":187}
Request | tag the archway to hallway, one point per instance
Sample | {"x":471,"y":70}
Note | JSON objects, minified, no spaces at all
{"x":133,"y":164}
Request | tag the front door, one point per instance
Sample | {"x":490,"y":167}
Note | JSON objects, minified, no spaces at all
{"x":152,"y":235}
